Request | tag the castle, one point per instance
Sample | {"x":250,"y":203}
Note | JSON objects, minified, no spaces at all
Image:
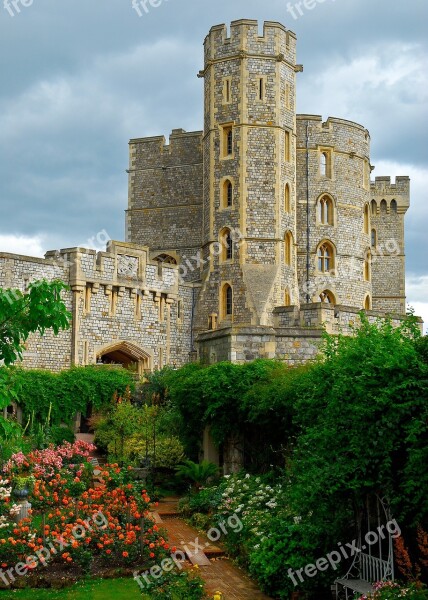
{"x":243,"y":240}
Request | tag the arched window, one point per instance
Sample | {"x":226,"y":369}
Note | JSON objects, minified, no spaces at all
{"x":327,"y":297}
{"x":288,"y":248}
{"x":325,"y":163}
{"x":383,"y":207}
{"x":287,"y":298}
{"x":325,"y":211}
{"x":227,"y":194}
{"x":374,"y":238}
{"x":366,"y":219}
{"x":368,"y":303}
{"x":226,"y":244}
{"x":325,"y":258}
{"x":287,"y":206}
{"x":393,"y":206}
{"x":374,"y":207}
{"x":227,"y":301}
{"x":227,"y":142}
{"x":367,"y":266}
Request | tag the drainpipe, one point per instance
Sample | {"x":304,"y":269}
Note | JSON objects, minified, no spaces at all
{"x":307,"y":216}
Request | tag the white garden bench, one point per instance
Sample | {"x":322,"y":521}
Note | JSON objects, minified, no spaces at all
{"x":365,"y":570}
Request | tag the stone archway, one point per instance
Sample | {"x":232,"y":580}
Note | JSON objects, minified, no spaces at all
{"x":125,"y":353}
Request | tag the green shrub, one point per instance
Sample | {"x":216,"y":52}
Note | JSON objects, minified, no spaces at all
{"x":59,"y":435}
{"x":176,"y":585}
{"x":59,"y":396}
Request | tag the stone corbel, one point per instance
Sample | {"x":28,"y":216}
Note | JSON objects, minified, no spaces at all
{"x":108,"y":290}
{"x":121,"y":292}
{"x":95,"y":288}
{"x":298,"y":68}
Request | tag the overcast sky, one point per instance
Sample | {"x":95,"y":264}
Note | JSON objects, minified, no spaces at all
{"x":81,"y":77}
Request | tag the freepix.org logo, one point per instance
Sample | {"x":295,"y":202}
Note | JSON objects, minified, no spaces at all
{"x":14,"y":7}
{"x":143,"y":7}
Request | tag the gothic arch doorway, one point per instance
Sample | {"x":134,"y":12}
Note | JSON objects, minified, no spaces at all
{"x":125,"y":353}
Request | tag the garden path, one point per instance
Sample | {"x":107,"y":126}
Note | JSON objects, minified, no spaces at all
{"x":219,"y":573}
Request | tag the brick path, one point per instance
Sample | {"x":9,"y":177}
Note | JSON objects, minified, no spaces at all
{"x":221,"y":575}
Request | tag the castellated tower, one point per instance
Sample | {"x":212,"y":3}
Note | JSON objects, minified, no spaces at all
{"x":333,"y":212}
{"x":249,"y":216}
{"x":389,"y":204}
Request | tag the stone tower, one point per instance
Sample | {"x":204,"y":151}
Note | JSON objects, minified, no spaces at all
{"x":389,"y":204}
{"x":249,"y":162}
{"x":333,"y":212}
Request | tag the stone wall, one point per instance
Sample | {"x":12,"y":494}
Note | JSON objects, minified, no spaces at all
{"x":165,"y":192}
{"x":389,"y":204}
{"x":120,"y":301}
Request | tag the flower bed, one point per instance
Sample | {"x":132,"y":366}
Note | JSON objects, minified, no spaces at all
{"x":74,"y":523}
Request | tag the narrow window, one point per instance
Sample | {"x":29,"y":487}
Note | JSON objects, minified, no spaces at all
{"x":393,"y":206}
{"x":227,"y":90}
{"x":287,"y":206}
{"x":227,"y":245}
{"x":227,"y":141}
{"x":367,"y":303}
{"x":261,"y":89}
{"x":227,"y":194}
{"x":374,"y":238}
{"x":227,"y":301}
{"x":287,"y":146}
{"x":180,"y":310}
{"x":374,"y":207}
{"x":288,"y":248}
{"x":287,"y":298}
{"x":366,"y":219}
{"x":383,"y":207}
{"x":325,"y":163}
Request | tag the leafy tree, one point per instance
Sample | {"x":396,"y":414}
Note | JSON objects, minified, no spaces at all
{"x":363,"y":419}
{"x":21,"y":314}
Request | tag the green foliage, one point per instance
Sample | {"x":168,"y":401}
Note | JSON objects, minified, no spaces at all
{"x":41,"y":392}
{"x":167,"y":453}
{"x":39,"y":309}
{"x":197,"y":473}
{"x":214,"y":396}
{"x":176,"y":585}
{"x":363,"y":415}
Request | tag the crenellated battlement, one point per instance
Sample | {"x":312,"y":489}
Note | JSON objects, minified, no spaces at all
{"x":385,"y":194}
{"x":382,"y":186}
{"x":154,"y":152}
{"x":244,"y":39}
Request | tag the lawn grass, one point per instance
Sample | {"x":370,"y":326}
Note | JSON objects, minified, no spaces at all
{"x":94,"y":589}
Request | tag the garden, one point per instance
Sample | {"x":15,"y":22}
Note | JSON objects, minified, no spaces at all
{"x":314,"y":447}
